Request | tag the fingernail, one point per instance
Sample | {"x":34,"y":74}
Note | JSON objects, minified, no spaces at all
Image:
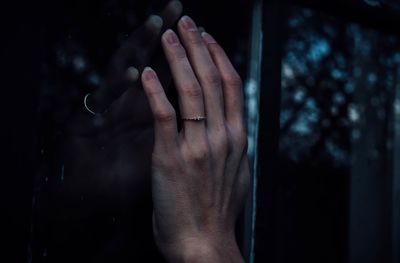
{"x":171,"y":37}
{"x":188,"y":24}
{"x":201,"y":29}
{"x":208,"y":38}
{"x":149,"y":74}
{"x":176,"y":6}
{"x":155,"y":21}
{"x":132,"y":73}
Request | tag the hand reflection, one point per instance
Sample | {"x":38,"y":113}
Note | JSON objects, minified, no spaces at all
{"x":107,"y":155}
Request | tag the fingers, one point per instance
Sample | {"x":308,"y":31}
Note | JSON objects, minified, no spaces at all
{"x":132,"y":56}
{"x":138,"y":47}
{"x":205,"y":70}
{"x":171,"y":13}
{"x":232,"y":84}
{"x":164,"y":114}
{"x":189,"y":90}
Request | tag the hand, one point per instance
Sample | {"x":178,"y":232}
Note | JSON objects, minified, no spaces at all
{"x":200,"y":175}
{"x":106,"y":154}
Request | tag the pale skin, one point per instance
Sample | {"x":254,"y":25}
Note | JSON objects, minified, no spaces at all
{"x":200,"y":174}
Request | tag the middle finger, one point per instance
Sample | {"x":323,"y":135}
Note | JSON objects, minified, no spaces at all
{"x":189,"y":90}
{"x":205,"y":70}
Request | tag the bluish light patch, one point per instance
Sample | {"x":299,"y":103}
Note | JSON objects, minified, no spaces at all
{"x":337,"y":74}
{"x":357,"y":72}
{"x":355,"y":134}
{"x":299,"y":95}
{"x":397,"y":106}
{"x":312,"y":111}
{"x":296,"y":64}
{"x":295,"y":45}
{"x":311,"y":104}
{"x":295,"y":21}
{"x":313,"y":116}
{"x":338,"y":155}
{"x":319,"y":50}
{"x":329,"y":30}
{"x":94,"y":79}
{"x":396,"y":57}
{"x":340,"y":60}
{"x":334,"y":110}
{"x":301,"y":126}
{"x":353,"y":113}
{"x":389,"y":82}
{"x":374,"y":3}
{"x":352,"y":31}
{"x":98,"y":120}
{"x":349,"y":87}
{"x":61,"y":57}
{"x":79,"y":64}
{"x":287,"y":71}
{"x":307,"y":12}
{"x":339,"y":98}
{"x":284,"y":117}
{"x":372,"y":78}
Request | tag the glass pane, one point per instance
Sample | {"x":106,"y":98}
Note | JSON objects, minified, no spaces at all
{"x":92,"y":198}
{"x":336,"y":140}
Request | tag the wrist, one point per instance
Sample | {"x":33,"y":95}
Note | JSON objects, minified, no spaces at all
{"x":205,"y":250}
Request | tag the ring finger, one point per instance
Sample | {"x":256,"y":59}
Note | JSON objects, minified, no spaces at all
{"x":189,"y":90}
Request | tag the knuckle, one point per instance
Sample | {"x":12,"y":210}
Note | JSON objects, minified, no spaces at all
{"x":212,"y":77}
{"x":221,"y":143}
{"x":195,"y":39}
{"x":191,"y":90}
{"x":164,"y":115}
{"x":233,"y":79}
{"x":241,"y":140}
{"x":179,"y":53}
{"x":159,"y":161}
{"x":199,"y":155}
{"x":154,"y":93}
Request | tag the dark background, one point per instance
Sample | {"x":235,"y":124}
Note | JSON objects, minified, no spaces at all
{"x":327,"y":137}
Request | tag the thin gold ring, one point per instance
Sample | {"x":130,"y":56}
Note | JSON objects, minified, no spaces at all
{"x":197,"y":118}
